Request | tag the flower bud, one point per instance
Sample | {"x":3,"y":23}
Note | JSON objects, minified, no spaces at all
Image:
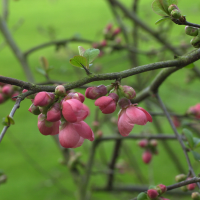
{"x":14,"y":96}
{"x":116,"y":32}
{"x":60,"y":90}
{"x":127,"y":91}
{"x":99,"y":134}
{"x":180,"y":177}
{"x":152,"y":193}
{"x":172,"y":7}
{"x":103,"y":43}
{"x":191,"y":31}
{"x":7,"y":89}
{"x":195,"y":42}
{"x":54,"y":113}
{"x":146,"y":157}
{"x":176,"y":14}
{"x":96,"y":92}
{"x":32,"y":96}
{"x":153,"y":143}
{"x":124,"y":103}
{"x":143,"y":143}
{"x":161,"y":189}
{"x":43,"y":99}
{"x":195,"y":196}
{"x":34,"y":109}
{"x":191,"y":186}
{"x":184,"y":188}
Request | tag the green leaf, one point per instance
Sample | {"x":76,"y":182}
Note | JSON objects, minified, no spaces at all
{"x":162,"y":20}
{"x":7,"y":121}
{"x":158,"y":8}
{"x":196,"y":142}
{"x":142,"y":196}
{"x":170,"y":2}
{"x":81,"y":50}
{"x":152,"y":187}
{"x":189,"y":137}
{"x":190,"y":66}
{"x":78,"y":61}
{"x":41,"y":71}
{"x":196,"y":155}
{"x":91,"y":54}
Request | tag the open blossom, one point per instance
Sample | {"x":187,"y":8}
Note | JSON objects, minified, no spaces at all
{"x":132,"y":115}
{"x":47,"y":128}
{"x":107,"y":104}
{"x":72,"y":135}
{"x":73,"y":110}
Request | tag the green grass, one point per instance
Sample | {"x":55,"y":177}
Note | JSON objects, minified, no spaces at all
{"x":31,"y":160}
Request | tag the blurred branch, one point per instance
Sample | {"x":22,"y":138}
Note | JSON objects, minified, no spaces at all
{"x":17,"y":52}
{"x":177,"y":136}
{"x":5,"y":11}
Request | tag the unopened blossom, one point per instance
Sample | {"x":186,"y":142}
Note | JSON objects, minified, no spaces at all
{"x":47,"y":128}
{"x":43,"y":99}
{"x":7,"y":89}
{"x":130,"y":116}
{"x":107,"y":104}
{"x":72,"y":135}
{"x":161,"y":188}
{"x":96,"y":92}
{"x":54,"y":113}
{"x":143,"y":143}
{"x":146,"y":157}
{"x":152,"y":193}
{"x":73,"y":110}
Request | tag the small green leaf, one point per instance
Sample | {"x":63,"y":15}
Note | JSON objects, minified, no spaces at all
{"x":196,"y":142}
{"x":158,"y":8}
{"x":81,"y":50}
{"x":91,"y":54}
{"x":142,"y":196}
{"x":7,"y":121}
{"x":170,"y":2}
{"x":152,"y":187}
{"x":78,"y":61}
{"x":41,"y":71}
{"x":196,"y":155}
{"x":162,"y":20}
{"x":189,"y":137}
{"x":190,"y":66}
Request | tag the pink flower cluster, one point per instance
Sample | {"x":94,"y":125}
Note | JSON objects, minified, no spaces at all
{"x":8,"y":91}
{"x":194,"y":110}
{"x":157,"y":192}
{"x":129,"y":115}
{"x":150,"y":147}
{"x":62,"y":113}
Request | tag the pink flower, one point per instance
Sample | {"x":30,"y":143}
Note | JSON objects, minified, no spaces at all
{"x":143,"y":143}
{"x":47,"y":128}
{"x":132,"y":115}
{"x":152,"y":193}
{"x":146,"y":157}
{"x":73,"y":110}
{"x":96,"y":92}
{"x":43,"y":99}
{"x":7,"y":89}
{"x":107,"y":104}
{"x":191,"y":186}
{"x":72,"y":135}
{"x":54,"y":113}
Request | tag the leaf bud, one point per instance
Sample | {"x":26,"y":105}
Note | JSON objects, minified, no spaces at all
{"x":180,"y":177}
{"x":192,"y":31}
{"x":127,"y":91}
{"x":172,"y":7}
{"x":176,"y":14}
{"x":195,"y":42}
{"x":195,"y":196}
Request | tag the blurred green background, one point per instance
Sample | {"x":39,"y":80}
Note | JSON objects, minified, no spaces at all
{"x":30,"y":160}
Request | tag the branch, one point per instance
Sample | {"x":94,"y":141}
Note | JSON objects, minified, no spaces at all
{"x":5,"y":11}
{"x":179,"y":62}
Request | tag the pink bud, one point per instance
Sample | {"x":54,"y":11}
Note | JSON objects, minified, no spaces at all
{"x":54,"y":113}
{"x":127,"y":91}
{"x":161,"y":188}
{"x":7,"y":89}
{"x":47,"y":128}
{"x":107,"y":104}
{"x":103,"y":43}
{"x":60,"y":90}
{"x":14,"y":95}
{"x":191,"y":186}
{"x":99,"y":133}
{"x":152,"y":193}
{"x":109,"y":27}
{"x":176,"y":121}
{"x":153,"y":143}
{"x":75,"y":95}
{"x":73,"y":110}
{"x":43,"y":99}
{"x":124,"y":103}
{"x":34,"y":109}
{"x":146,"y":157}
{"x":143,"y":143}
{"x":96,"y":92}
{"x":116,"y":31}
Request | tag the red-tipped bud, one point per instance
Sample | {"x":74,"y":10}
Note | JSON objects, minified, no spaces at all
{"x":153,"y":143}
{"x":116,"y":31}
{"x":195,"y":196}
{"x":75,"y":95}
{"x":152,"y":193}
{"x":124,"y":103}
{"x":161,"y":189}
{"x":99,"y":133}
{"x":107,"y":104}
{"x":172,"y":7}
{"x":54,"y":113}
{"x":14,"y":96}
{"x":180,"y":177}
{"x":43,"y":99}
{"x":127,"y":91}
{"x":191,"y":186}
{"x":96,"y":92}
{"x":60,"y":90}
{"x":176,"y":121}
{"x":146,"y":157}
{"x":103,"y":43}
{"x":143,"y":143}
{"x":47,"y":128}
{"x":7,"y":90}
{"x":109,"y":26}
{"x":34,"y":109}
